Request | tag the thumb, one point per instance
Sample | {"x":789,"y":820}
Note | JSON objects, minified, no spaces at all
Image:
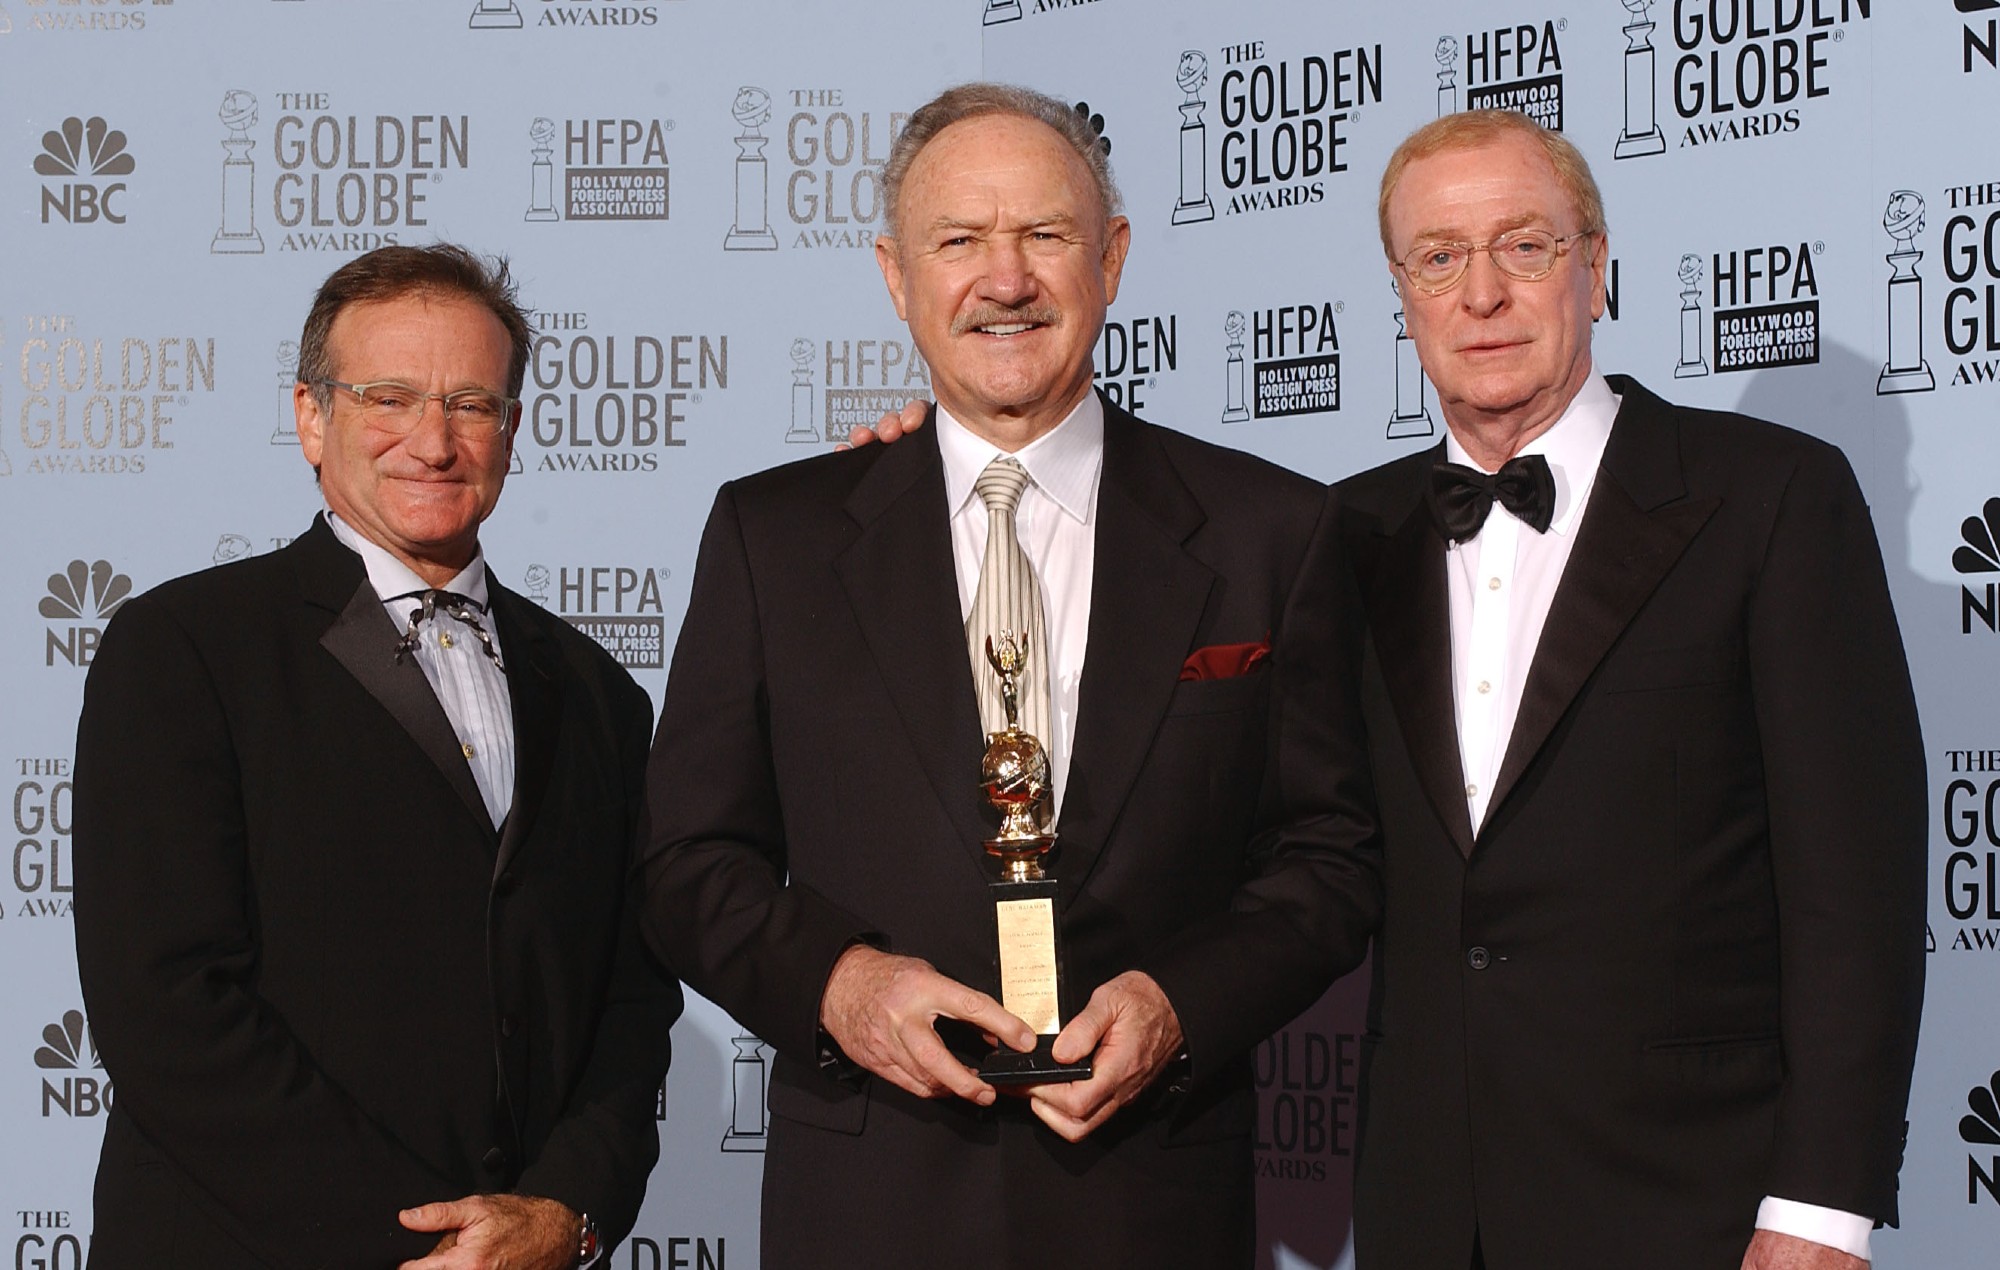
{"x":1082,"y":1033}
{"x":434,"y":1217}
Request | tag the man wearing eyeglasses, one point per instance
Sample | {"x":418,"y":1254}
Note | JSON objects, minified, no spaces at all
{"x":1647,"y":986}
{"x":355,"y":827}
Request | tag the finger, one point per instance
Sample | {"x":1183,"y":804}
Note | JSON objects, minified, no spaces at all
{"x":913,"y":415}
{"x":1066,"y":1126}
{"x":970,"y":1005}
{"x":858,"y":435}
{"x":941,"y":1066}
{"x":443,"y":1215}
{"x":1083,"y":1033}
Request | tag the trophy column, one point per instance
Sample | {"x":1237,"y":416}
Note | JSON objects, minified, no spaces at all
{"x":1410,"y":417}
{"x":802,"y":431}
{"x":287,"y":431}
{"x":1641,"y":134}
{"x":1233,"y":408}
{"x":238,"y":235}
{"x":1447,"y":60}
{"x":1014,"y":775}
{"x":1193,"y":205}
{"x":542,"y":173}
{"x":1906,"y":369}
{"x":1693,"y":363}
{"x":746,"y":1096}
{"x":751,"y":229}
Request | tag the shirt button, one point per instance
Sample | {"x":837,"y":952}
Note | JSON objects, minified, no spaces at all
{"x":1493,"y":584}
{"x":1478,"y":958}
{"x":467,"y":750}
{"x":1472,"y":791}
{"x":444,"y":640}
{"x":1484,"y":686}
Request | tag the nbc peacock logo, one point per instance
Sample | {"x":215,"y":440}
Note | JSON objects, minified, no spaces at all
{"x":1977,"y":554}
{"x":1980,"y":1126}
{"x":81,"y":158}
{"x":80,"y":600}
{"x":68,"y":1047}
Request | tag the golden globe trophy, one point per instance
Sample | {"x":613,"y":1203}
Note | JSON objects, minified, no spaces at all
{"x":1015,"y":776}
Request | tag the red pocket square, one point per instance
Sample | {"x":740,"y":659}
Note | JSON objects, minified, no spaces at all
{"x":1225,"y":661}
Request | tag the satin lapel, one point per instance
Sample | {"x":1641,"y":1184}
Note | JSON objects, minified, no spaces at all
{"x":1638,"y":523}
{"x":363,"y":639}
{"x":903,"y":587}
{"x":1410,"y":614}
{"x":1147,"y":595}
{"x":535,"y":688}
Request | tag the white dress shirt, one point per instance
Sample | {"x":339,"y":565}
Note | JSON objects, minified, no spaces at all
{"x":472,"y":690}
{"x":1502,"y":582}
{"x":1056,"y":524}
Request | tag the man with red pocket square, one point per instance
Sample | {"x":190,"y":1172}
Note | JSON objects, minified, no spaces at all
{"x":816,"y":862}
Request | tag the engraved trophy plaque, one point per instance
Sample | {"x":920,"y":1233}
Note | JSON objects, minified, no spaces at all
{"x":1015,"y":777}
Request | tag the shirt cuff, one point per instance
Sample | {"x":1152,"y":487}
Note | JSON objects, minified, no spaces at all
{"x":1848,"y":1232}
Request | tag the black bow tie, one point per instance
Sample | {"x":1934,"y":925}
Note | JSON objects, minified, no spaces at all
{"x":463,"y":608}
{"x":1461,"y":496}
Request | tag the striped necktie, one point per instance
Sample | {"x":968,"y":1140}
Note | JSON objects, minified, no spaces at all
{"x":1008,"y":599}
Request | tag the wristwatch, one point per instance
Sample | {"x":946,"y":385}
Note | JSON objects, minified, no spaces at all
{"x":588,"y":1246}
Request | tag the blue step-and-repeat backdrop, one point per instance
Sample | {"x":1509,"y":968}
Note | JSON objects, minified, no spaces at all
{"x":1804,"y":202}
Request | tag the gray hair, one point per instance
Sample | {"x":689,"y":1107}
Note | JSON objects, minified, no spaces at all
{"x":969,"y":101}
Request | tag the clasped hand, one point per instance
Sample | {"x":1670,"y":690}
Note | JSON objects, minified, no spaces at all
{"x":881,"y":1009}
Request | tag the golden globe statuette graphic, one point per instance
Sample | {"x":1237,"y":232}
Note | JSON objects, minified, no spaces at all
{"x":1194,"y":205}
{"x":1015,"y":777}
{"x":1641,"y":134}
{"x":287,"y":431}
{"x":1234,"y":407}
{"x":238,"y":235}
{"x":1906,"y":370}
{"x":998,"y":11}
{"x":542,"y":173}
{"x":230,"y":547}
{"x":494,"y":15}
{"x":1410,"y":417}
{"x":801,"y":431}
{"x":751,"y":230}
{"x":1693,"y":364}
{"x":1447,"y":60}
{"x":747,"y":1121}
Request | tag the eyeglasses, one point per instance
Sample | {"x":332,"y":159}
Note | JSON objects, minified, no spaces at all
{"x":394,"y":407}
{"x":1527,"y":254}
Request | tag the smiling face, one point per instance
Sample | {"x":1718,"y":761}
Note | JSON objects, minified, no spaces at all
{"x":1003,"y":269}
{"x":421,"y":495}
{"x":1505,"y":355}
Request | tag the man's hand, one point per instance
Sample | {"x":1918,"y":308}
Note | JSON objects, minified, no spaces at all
{"x":1133,"y":1028}
{"x":890,"y":427}
{"x":1770,"y":1250}
{"x":880,"y":1008}
{"x":497,"y":1232}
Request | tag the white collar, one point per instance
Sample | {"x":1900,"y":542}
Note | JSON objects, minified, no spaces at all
{"x":1573,"y":445}
{"x":1064,"y":462}
{"x":392,"y":579}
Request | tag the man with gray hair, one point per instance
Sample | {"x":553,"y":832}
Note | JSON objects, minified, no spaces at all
{"x":817,"y":862}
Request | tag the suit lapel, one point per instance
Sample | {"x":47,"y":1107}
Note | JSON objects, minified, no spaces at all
{"x":1147,"y":596}
{"x":534,"y":686}
{"x":902,"y":584}
{"x":1638,"y":523}
{"x":1410,"y":613}
{"x":363,"y":639}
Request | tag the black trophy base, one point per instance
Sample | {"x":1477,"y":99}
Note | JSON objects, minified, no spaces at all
{"x":1038,"y":1066}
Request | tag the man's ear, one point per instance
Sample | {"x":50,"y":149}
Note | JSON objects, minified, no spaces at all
{"x":310,"y":420}
{"x":890,"y":263}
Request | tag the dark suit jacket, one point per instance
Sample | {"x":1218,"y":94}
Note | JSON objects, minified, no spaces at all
{"x":1679,"y":968}
{"x":815,"y":783}
{"x":323,"y":986}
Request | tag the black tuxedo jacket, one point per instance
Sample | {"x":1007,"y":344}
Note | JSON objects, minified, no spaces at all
{"x":815,"y":782}
{"x":323,"y":986}
{"x":1679,"y":968}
